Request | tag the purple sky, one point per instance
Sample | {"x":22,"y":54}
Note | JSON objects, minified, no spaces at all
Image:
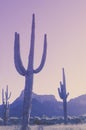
{"x":65,"y":25}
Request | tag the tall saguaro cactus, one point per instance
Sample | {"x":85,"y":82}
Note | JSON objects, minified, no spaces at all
{"x":5,"y":102}
{"x":63,"y":95}
{"x":28,"y":73}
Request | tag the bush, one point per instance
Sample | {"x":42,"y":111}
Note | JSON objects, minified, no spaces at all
{"x":15,"y":121}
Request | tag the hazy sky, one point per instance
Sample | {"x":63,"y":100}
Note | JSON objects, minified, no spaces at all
{"x":64,"y":21}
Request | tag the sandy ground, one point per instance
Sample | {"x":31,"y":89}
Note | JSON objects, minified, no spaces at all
{"x":53,"y":127}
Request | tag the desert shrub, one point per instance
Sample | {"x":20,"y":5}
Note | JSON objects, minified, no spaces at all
{"x":74,"y":120}
{"x":15,"y":121}
{"x":35,"y":120}
{"x":46,"y":120}
{"x":1,"y":121}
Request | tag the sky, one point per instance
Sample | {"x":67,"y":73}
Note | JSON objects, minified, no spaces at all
{"x":64,"y":22}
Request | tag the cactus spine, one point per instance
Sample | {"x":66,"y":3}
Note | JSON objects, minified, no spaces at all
{"x":63,"y":95}
{"x":5,"y":102}
{"x":29,"y":72}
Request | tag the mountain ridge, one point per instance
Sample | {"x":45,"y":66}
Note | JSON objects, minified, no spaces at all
{"x":49,"y":106}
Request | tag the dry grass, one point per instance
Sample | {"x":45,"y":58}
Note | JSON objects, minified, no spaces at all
{"x":53,"y":127}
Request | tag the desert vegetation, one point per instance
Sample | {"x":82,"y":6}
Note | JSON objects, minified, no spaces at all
{"x":63,"y":95}
{"x":46,"y":120}
{"x":26,"y":122}
{"x":5,"y":103}
{"x":53,"y":127}
{"x":28,"y":73}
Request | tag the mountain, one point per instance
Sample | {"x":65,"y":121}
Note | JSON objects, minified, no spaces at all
{"x":44,"y":98}
{"x":49,"y":106}
{"x":77,"y":106}
{"x":41,"y":105}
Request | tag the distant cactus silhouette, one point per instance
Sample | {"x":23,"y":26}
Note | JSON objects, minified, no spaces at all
{"x":63,"y":95}
{"x":5,"y":102}
{"x":29,"y":72}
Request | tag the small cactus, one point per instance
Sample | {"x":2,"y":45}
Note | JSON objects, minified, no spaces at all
{"x":29,"y":72}
{"x":63,"y":95}
{"x":5,"y":103}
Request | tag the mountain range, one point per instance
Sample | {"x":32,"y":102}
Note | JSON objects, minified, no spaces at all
{"x":47,"y":105}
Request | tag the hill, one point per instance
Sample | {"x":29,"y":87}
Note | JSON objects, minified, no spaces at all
{"x":49,"y":106}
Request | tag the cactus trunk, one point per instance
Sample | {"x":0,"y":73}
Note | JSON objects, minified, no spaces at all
{"x":27,"y":101}
{"x":28,"y":73}
{"x":65,"y":111}
{"x":6,"y":115}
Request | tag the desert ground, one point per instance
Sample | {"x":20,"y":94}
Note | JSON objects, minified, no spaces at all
{"x":52,"y":127}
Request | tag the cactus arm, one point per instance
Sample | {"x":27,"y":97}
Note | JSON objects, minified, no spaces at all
{"x":3,"y":96}
{"x":64,"y":81}
{"x":6,"y":93}
{"x":61,"y":86}
{"x":43,"y":56}
{"x":60,"y":94}
{"x":17,"y":58}
{"x":67,"y":95}
{"x":9,"y":95}
{"x":59,"y":91}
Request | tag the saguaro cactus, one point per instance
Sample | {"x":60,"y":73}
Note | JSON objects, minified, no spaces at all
{"x":28,"y":73}
{"x":63,"y":95}
{"x":5,"y":102}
